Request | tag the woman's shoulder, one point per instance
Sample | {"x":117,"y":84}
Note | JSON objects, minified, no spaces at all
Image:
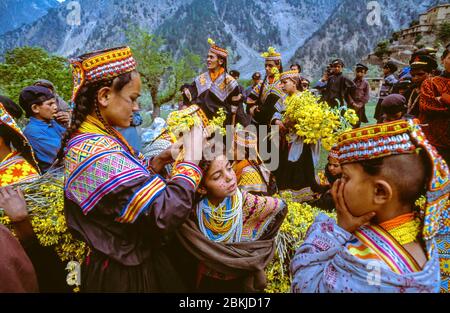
{"x":92,"y":143}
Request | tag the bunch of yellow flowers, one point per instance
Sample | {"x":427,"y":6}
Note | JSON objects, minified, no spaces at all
{"x":217,"y":122}
{"x":290,"y":236}
{"x":179,"y":122}
{"x":314,"y":120}
{"x":45,"y":205}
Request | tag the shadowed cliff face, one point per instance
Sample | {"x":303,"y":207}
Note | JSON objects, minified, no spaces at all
{"x":14,"y":13}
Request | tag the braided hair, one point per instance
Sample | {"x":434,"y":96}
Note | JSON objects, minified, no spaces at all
{"x":86,"y":103}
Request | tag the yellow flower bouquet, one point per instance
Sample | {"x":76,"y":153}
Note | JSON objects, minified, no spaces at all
{"x":179,"y":122}
{"x":314,"y":120}
{"x":45,"y":204}
{"x":292,"y":232}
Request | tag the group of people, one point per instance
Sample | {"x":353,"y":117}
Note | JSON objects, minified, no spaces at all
{"x":170,"y":219}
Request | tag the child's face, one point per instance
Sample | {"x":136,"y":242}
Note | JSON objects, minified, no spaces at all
{"x":386,"y":71}
{"x":337,"y":68}
{"x":334,"y":167}
{"x":220,"y":181}
{"x":288,"y":86}
{"x":45,"y":110}
{"x":360,"y":73}
{"x":358,"y":190}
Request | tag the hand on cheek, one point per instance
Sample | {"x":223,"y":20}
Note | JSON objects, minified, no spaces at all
{"x":345,"y":219}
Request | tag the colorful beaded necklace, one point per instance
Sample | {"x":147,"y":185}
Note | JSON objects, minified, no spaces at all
{"x":404,"y":228}
{"x":224,"y":222}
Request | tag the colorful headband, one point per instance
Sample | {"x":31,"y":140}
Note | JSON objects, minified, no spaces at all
{"x":216,"y":49}
{"x":271,"y":55}
{"x":334,"y":153}
{"x":6,"y":119}
{"x":403,"y":137}
{"x":100,"y":66}
{"x":246,"y":139}
{"x":289,"y":74}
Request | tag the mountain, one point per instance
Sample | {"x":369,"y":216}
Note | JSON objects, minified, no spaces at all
{"x":14,"y":13}
{"x":308,"y":31}
{"x":348,"y":35}
{"x":102,"y":23}
{"x":246,"y":27}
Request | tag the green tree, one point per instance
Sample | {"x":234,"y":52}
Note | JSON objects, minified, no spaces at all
{"x":160,"y":73}
{"x":444,"y":32}
{"x":25,"y":65}
{"x":382,"y":49}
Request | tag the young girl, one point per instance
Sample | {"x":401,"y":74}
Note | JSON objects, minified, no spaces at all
{"x":380,"y":243}
{"x":231,"y":234}
{"x":252,"y":175}
{"x":333,"y":169}
{"x":296,"y":170}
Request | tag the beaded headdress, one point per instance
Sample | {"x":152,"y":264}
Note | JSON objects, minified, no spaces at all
{"x":271,"y":55}
{"x":403,"y":137}
{"x":100,"y":66}
{"x":334,"y":153}
{"x":216,"y":49}
{"x":6,"y":119}
{"x":246,"y":139}
{"x":289,"y":74}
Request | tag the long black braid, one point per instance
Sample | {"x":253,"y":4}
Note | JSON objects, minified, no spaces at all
{"x":86,"y":103}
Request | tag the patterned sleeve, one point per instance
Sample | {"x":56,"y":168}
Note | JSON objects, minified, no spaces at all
{"x":324,"y":240}
{"x":164,"y":205}
{"x":95,"y":183}
{"x":254,"y":94}
{"x":428,"y":99}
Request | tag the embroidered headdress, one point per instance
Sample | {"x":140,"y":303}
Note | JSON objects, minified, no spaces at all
{"x":271,"y":55}
{"x":216,"y":49}
{"x":289,"y":74}
{"x":403,"y":137}
{"x":27,"y":150}
{"x":100,"y":66}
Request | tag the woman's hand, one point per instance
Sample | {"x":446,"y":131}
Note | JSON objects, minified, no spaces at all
{"x":167,"y":156}
{"x":13,"y":203}
{"x":193,"y":144}
{"x":345,"y":219}
{"x":188,"y":95}
{"x":281,"y":125}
